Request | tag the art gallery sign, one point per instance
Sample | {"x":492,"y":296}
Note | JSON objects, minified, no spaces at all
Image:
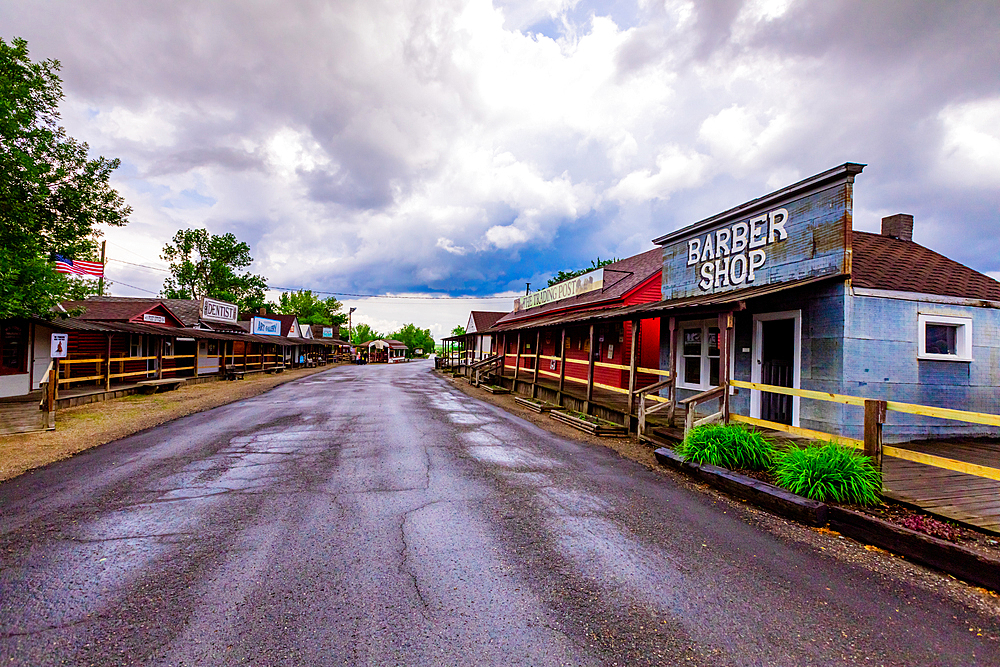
{"x":262,"y":326}
{"x":802,"y":231}
{"x":588,"y":282}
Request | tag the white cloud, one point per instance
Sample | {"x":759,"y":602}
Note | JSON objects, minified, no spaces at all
{"x":970,"y":151}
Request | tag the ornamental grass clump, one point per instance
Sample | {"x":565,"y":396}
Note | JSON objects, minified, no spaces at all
{"x":829,"y":472}
{"x":728,"y":446}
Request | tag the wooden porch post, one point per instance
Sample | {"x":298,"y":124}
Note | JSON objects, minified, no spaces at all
{"x":562,"y":365}
{"x":590,"y":370}
{"x":672,"y":365}
{"x":246,"y":344}
{"x":107,"y":373}
{"x":725,"y":338}
{"x":631,"y":372}
{"x":874,"y":418}
{"x":517,"y":360}
{"x":538,"y":352}
{"x":159,"y":357}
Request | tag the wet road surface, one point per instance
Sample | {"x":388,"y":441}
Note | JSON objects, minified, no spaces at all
{"x":376,"y":516}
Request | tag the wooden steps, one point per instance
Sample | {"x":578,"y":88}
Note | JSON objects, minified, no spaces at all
{"x":535,"y":405}
{"x":591,"y":425}
{"x":22,"y":417}
{"x":494,"y":389}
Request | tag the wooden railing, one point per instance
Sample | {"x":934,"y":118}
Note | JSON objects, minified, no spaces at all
{"x":874,"y":419}
{"x":660,"y":403}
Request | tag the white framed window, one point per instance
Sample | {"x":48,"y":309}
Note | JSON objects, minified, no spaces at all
{"x":944,"y":338}
{"x":698,"y":355}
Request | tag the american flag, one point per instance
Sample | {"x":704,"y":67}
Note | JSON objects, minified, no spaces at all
{"x":79,"y":267}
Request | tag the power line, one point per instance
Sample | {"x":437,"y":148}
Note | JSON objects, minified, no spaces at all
{"x":363,"y":296}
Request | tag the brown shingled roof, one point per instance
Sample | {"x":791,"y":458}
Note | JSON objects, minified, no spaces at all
{"x":619,"y":279}
{"x":882,"y":262}
{"x":484,"y":319}
{"x":118,"y":310}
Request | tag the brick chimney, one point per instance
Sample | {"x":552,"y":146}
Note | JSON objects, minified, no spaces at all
{"x":899,"y":226}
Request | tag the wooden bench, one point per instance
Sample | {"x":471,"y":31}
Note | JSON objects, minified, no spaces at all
{"x":152,"y":386}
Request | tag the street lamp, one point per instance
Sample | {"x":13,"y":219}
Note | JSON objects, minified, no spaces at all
{"x":350,"y":332}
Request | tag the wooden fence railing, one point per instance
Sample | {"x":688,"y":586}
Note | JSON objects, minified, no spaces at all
{"x":875,"y":411}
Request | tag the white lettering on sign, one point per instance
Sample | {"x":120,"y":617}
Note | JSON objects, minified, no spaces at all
{"x":159,"y":319}
{"x":327,"y":332}
{"x":218,"y":311}
{"x":731,"y":256}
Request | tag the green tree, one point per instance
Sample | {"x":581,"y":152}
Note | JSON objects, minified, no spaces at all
{"x":310,"y":309}
{"x":567,"y":275}
{"x":53,"y":199}
{"x":363,"y":333}
{"x":458,"y":331}
{"x":203,"y":264}
{"x":414,"y":337}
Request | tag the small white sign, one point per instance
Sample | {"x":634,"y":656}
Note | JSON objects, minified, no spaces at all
{"x":419,"y":350}
{"x":327,"y":332}
{"x":60,"y":346}
{"x":261,"y":326}
{"x":159,"y":319}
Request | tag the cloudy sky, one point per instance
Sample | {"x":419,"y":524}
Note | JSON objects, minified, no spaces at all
{"x":463,"y":148}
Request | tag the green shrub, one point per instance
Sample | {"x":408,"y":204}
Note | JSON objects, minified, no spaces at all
{"x":728,"y":446}
{"x":829,"y":472}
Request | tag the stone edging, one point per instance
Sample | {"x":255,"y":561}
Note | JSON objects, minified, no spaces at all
{"x":954,"y":559}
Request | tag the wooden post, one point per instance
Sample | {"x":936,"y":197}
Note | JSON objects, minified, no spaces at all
{"x":590,"y":370}
{"x":672,"y":365}
{"x":725,"y":336}
{"x":517,"y":361}
{"x":874,"y":418}
{"x":100,"y":281}
{"x":107,"y":375}
{"x":538,"y":354}
{"x":631,"y":371}
{"x":159,"y":358}
{"x":245,"y":346}
{"x":51,"y":393}
{"x":562,"y":365}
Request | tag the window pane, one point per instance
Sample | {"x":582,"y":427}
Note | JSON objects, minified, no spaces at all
{"x":713,"y":372}
{"x":692,"y":370}
{"x":713,"y":342}
{"x":692,"y":342}
{"x":14,"y":344}
{"x":941,"y":339}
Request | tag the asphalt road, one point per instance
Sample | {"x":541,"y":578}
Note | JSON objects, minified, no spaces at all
{"x":376,"y":516}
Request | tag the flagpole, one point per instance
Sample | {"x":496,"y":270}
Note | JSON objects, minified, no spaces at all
{"x":100,"y":281}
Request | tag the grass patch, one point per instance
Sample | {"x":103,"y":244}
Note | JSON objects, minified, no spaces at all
{"x":829,"y":471}
{"x":728,"y":446}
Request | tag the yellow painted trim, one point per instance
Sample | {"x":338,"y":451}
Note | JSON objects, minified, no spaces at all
{"x":804,"y":393}
{"x":795,"y":430}
{"x":945,"y":413}
{"x":652,"y":371}
{"x":610,"y":388}
{"x":582,"y":362}
{"x":549,"y":373}
{"x":547,"y":357}
{"x":125,"y":375}
{"x":64,"y":362}
{"x":80,"y":379}
{"x":601,"y":364}
{"x":942,"y":462}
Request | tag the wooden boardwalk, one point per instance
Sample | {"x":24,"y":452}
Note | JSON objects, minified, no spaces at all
{"x":954,"y":495}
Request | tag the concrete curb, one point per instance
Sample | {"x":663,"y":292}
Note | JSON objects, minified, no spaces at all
{"x":956,"y":560}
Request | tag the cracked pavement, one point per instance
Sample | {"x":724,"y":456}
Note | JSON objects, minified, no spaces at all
{"x":374,"y":515}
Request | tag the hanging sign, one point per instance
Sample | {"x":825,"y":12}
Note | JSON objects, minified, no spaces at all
{"x":327,"y":332}
{"x":262,"y":326}
{"x":60,"y":346}
{"x":158,"y":319}
{"x":218,"y":311}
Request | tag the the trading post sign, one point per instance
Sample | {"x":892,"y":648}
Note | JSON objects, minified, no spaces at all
{"x":588,"y":282}
{"x":800,"y":232}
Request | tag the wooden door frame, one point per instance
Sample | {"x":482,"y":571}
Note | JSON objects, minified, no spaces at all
{"x":756,"y":364}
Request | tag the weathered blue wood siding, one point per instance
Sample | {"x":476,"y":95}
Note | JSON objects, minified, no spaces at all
{"x":880,"y":361}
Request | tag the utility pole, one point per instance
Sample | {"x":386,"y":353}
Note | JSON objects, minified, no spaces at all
{"x":527,"y":289}
{"x":100,"y":281}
